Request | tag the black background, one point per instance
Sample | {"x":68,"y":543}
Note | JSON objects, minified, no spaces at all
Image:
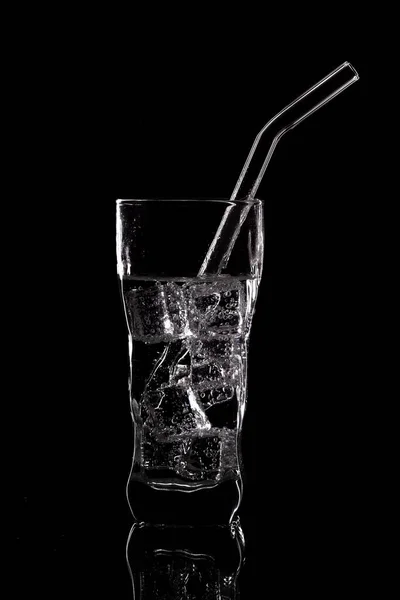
{"x":181,"y":126}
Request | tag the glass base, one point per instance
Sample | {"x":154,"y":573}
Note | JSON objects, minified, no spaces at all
{"x":215,"y":505}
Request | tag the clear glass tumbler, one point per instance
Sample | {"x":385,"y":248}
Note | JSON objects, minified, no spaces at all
{"x":188,"y":342}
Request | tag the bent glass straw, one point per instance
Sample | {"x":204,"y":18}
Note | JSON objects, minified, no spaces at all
{"x":259,"y":157}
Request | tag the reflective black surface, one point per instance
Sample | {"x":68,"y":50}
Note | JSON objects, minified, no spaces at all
{"x":185,"y":563}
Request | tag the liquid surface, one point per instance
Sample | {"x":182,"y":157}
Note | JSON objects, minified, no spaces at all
{"x":188,"y":358}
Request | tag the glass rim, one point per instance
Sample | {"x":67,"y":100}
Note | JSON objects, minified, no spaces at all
{"x":255,"y":201}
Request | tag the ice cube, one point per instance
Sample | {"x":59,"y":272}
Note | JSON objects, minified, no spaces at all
{"x":211,"y":348}
{"x":228,"y":317}
{"x":161,"y":454}
{"x":203,"y":299}
{"x":216,"y":308}
{"x":173,"y":410}
{"x":216,"y":374}
{"x":202,"y":461}
{"x":206,"y":303}
{"x":207,"y":373}
{"x":157,"y":313}
{"x":215,"y":362}
{"x":216,"y":395}
{"x":176,"y":308}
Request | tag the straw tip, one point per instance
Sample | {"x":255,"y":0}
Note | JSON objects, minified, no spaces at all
{"x":356,"y":75}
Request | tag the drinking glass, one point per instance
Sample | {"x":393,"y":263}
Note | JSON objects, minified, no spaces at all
{"x":188,"y":337}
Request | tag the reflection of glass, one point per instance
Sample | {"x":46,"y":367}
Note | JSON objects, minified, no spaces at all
{"x":188,"y":342}
{"x":185,"y":563}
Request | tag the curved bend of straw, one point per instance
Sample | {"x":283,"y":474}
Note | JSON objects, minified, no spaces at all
{"x":317,"y":96}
